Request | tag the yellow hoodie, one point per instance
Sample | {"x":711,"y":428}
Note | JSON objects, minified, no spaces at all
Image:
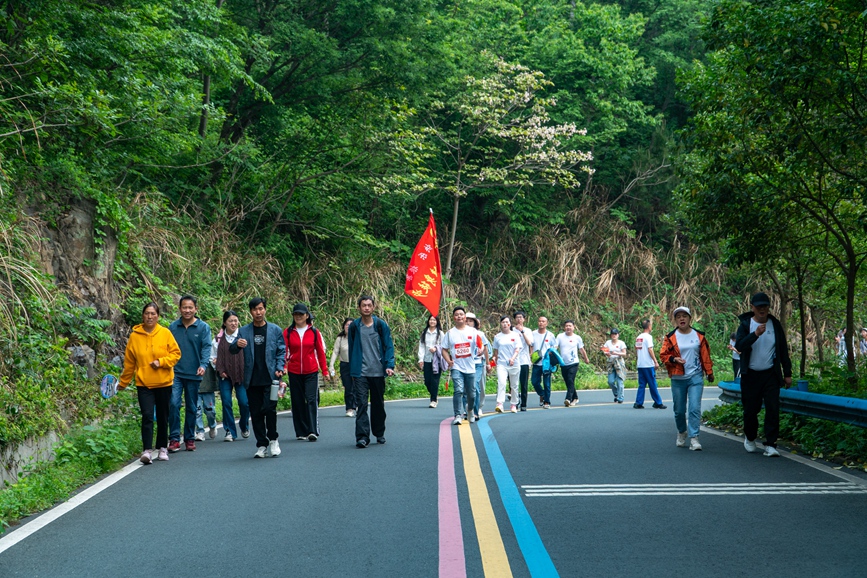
{"x":143,"y":348}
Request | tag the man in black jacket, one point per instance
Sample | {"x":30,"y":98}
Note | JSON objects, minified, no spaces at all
{"x":765,"y":367}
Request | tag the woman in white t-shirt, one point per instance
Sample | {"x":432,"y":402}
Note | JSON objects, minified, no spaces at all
{"x":615,"y":350}
{"x":430,"y":359}
{"x":507,"y":347}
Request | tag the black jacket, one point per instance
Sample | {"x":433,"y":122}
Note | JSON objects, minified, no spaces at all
{"x":744,"y":343}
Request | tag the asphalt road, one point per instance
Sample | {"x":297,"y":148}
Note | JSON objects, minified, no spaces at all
{"x":596,"y":490}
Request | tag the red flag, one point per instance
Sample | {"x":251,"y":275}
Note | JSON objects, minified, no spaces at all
{"x":424,"y":276}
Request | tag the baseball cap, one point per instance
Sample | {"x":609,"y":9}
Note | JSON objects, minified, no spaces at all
{"x":614,"y":330}
{"x":300,"y":308}
{"x":760,"y":298}
{"x":679,"y":309}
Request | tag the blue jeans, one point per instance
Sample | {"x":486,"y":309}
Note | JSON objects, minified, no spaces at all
{"x":459,"y":381}
{"x":616,"y":385}
{"x":480,"y":389}
{"x":538,"y":378}
{"x":243,"y":406}
{"x":647,"y":377}
{"x":189,"y":388}
{"x":206,"y":405}
{"x":689,"y":391}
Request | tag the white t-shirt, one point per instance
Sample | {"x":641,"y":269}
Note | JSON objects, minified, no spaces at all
{"x":506,"y":344}
{"x":643,"y":345}
{"x":735,"y":354}
{"x":569,"y":347}
{"x":524,"y":356}
{"x":462,"y":345}
{"x":542,"y":342}
{"x":764,"y":348}
{"x":620,"y":347}
{"x":688,"y":344}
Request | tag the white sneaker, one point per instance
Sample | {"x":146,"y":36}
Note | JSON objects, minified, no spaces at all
{"x":472,"y":418}
{"x":146,"y":457}
{"x":681,"y":440}
{"x":499,"y":408}
{"x":458,"y":420}
{"x":228,"y":437}
{"x":694,"y":445}
{"x":260,"y":452}
{"x":750,"y":446}
{"x":350,"y":413}
{"x":212,"y":432}
{"x":567,"y":403}
{"x":575,"y":402}
{"x":771,"y":452}
{"x":200,"y":436}
{"x":514,"y":409}
{"x":274,"y":448}
{"x":432,"y":404}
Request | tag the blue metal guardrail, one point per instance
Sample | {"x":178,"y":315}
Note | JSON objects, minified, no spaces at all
{"x":831,"y":407}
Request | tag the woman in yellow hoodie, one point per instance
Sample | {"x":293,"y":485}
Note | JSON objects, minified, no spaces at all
{"x":151,"y":353}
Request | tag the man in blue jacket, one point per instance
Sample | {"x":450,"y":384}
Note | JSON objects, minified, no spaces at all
{"x":194,"y":338}
{"x":371,"y":359}
{"x":264,"y":360}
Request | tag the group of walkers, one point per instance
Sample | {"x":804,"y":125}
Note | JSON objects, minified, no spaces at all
{"x":250,"y":361}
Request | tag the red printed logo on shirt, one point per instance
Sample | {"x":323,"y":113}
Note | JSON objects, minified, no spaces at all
{"x":462,"y":350}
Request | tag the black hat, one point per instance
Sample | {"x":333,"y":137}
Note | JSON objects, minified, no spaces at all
{"x":614,"y":330}
{"x":300,"y":308}
{"x":760,"y":299}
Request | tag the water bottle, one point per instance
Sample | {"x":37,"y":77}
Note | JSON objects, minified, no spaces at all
{"x":275,"y":390}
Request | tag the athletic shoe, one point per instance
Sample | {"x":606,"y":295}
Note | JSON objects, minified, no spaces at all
{"x":146,"y":458}
{"x":472,"y":418}
{"x":771,"y":452}
{"x":681,"y":440}
{"x":547,"y":406}
{"x":480,"y":414}
{"x":174,"y":446}
{"x":245,"y":434}
{"x":636,"y":406}
{"x":499,"y":408}
{"x":380,"y":440}
{"x":200,"y":436}
{"x":541,"y":403}
{"x":567,"y":403}
{"x":350,"y":413}
{"x":750,"y":446}
{"x":523,"y":408}
{"x":163,"y":455}
{"x":190,"y":445}
{"x":361,"y":444}
{"x":260,"y":452}
{"x":660,"y":406}
{"x":228,"y":437}
{"x":312,"y":437}
{"x":301,"y":438}
{"x":274,"y":448}
{"x":212,"y":432}
{"x":457,"y":420}
{"x":432,"y":404}
{"x":575,"y":402}
{"x":515,"y":409}
{"x":619,"y":401}
{"x":694,"y":445}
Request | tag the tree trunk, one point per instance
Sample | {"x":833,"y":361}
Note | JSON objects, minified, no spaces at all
{"x":819,"y":349}
{"x":851,"y":275}
{"x":452,"y":237}
{"x":206,"y":100}
{"x":802,"y":311}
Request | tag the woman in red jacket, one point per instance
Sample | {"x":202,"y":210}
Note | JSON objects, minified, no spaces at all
{"x":305,"y":358}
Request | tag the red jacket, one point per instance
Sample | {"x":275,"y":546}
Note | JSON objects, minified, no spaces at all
{"x":670,"y":350}
{"x":305,"y":355}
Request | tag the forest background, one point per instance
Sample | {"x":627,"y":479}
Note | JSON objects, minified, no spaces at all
{"x":600,"y":161}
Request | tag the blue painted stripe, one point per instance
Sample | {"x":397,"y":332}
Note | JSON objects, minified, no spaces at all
{"x":535,"y":554}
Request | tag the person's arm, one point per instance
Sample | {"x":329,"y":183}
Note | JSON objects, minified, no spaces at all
{"x":653,"y":356}
{"x":129,"y":365}
{"x":422,"y":351}
{"x":706,"y":361}
{"x":335,"y":355}
{"x":205,"y":353}
{"x":281,"y":352}
{"x":388,"y":348}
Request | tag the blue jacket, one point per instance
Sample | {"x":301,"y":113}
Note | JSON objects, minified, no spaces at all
{"x":275,"y":350}
{"x":386,"y":346}
{"x":195,"y":344}
{"x":551,"y":362}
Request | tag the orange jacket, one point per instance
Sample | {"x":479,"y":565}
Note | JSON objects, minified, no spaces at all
{"x":670,"y":351}
{"x":143,"y":348}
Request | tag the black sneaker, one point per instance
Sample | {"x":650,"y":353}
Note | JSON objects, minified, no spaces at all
{"x":380,"y":440}
{"x":361,"y":444}
{"x":636,"y":406}
{"x":659,"y":406}
{"x":523,"y":408}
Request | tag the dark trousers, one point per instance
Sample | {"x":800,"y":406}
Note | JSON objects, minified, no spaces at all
{"x":263,"y":414}
{"x":431,"y":380}
{"x":569,"y":373}
{"x":304,"y":394}
{"x":374,"y":388}
{"x":158,"y":398}
{"x":348,"y":386}
{"x":523,"y":379}
{"x":541,"y":383}
{"x":736,"y":367}
{"x":758,"y":387}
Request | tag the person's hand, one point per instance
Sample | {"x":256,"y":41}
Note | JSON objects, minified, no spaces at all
{"x":389,"y":372}
{"x":655,"y":365}
{"x":224,"y":375}
{"x":242,"y":343}
{"x":155,"y":363}
{"x":512,"y":361}
{"x":710,"y":378}
{"x":279,"y":373}
{"x":788,"y":382}
{"x":421,"y":364}
{"x":200,"y":371}
{"x":679,"y":360}
{"x":761,"y":329}
{"x":451,"y":363}
{"x":432,"y":349}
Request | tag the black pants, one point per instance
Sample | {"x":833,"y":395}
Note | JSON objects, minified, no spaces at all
{"x":263,"y":414}
{"x":523,"y":379}
{"x":431,"y":380}
{"x":157,"y":398}
{"x":348,"y":386}
{"x":569,"y":373}
{"x":374,"y":387}
{"x":758,"y":387}
{"x":304,"y":394}
{"x":736,"y":367}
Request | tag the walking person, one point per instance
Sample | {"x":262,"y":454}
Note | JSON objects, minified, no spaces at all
{"x":507,"y":350}
{"x":194,"y":338}
{"x":524,"y":356}
{"x":230,"y":370}
{"x":460,"y":346}
{"x":765,"y":367}
{"x":430,"y":357}
{"x":615,"y":351}
{"x":647,"y":366}
{"x":205,"y":407}
{"x":570,"y":344}
{"x":736,"y":356}
{"x":264,"y":351}
{"x":481,"y":359}
{"x":371,"y":360}
{"x":686,"y":355}
{"x":305,"y":358}
{"x":341,"y":353}
{"x":543,"y":340}
{"x":151,"y":354}
{"x":862,"y":348}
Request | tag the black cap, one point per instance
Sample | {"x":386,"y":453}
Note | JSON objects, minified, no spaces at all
{"x":760,"y":299}
{"x":614,"y":330}
{"x":300,"y":308}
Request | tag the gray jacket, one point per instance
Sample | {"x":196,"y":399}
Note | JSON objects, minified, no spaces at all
{"x":275,"y":350}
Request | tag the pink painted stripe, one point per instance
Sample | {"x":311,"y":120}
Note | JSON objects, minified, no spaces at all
{"x":452,"y":562}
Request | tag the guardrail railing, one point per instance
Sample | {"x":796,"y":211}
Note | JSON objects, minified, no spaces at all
{"x":848,"y":410}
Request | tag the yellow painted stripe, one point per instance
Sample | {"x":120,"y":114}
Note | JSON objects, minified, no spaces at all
{"x":495,"y":562}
